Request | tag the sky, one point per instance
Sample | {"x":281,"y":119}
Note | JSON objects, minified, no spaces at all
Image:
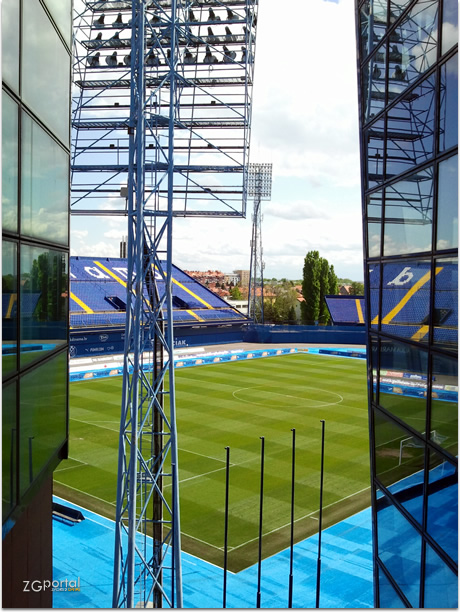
{"x":304,"y":122}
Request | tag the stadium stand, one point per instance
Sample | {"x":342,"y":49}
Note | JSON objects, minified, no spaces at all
{"x":98,"y":295}
{"x":405,"y":301}
{"x":346,"y":309}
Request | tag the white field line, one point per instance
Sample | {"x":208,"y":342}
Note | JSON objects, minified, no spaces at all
{"x":202,"y":541}
{"x":320,"y":404}
{"x":201,"y":455}
{"x":89,"y":423}
{"x":309,"y":515}
{"x":90,"y":494}
{"x":197,"y":476}
{"x":71,"y":467}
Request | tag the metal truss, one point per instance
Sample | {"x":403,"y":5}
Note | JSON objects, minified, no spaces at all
{"x":259,"y":187}
{"x":160,"y":128}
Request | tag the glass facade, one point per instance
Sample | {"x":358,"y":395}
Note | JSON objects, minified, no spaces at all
{"x":36,"y":64}
{"x":408,"y":95}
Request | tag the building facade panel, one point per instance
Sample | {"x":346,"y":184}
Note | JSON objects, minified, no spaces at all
{"x":408,"y":97}
{"x":36,"y":65}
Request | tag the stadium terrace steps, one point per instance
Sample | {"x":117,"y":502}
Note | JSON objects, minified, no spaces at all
{"x":98,"y":294}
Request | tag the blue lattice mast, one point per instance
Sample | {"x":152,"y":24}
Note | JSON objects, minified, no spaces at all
{"x":260,"y":188}
{"x":161,"y":128}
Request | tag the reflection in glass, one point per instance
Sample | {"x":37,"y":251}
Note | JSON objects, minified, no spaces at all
{"x":9,"y":307}
{"x":43,"y":417}
{"x":403,"y":382}
{"x":10,"y":43}
{"x":448,"y":120}
{"x":388,"y":598}
{"x":444,"y":404}
{"x":441,"y":584}
{"x":44,"y":298}
{"x":61,"y":13}
{"x":9,"y":447}
{"x":374,"y":225}
{"x":375,"y":140}
{"x":399,"y":548}
{"x":373,"y":23}
{"x":42,"y":47}
{"x":442,"y":521}
{"x":409,"y":214}
{"x":414,"y":46}
{"x":447,"y":230}
{"x":373,"y":357}
{"x":374,"y":85}
{"x":446,"y":304}
{"x":406,"y":300}
{"x":374,"y":282}
{"x":410,"y":129}
{"x":45,"y":185}
{"x":397,"y":454}
{"x":449,"y":24}
{"x":10,"y":119}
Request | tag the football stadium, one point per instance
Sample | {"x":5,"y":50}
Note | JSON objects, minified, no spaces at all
{"x":160,"y":447}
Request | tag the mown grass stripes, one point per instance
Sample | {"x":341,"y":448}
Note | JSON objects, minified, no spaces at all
{"x":233,"y":404}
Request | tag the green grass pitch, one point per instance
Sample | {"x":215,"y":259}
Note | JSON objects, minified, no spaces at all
{"x":233,"y":404}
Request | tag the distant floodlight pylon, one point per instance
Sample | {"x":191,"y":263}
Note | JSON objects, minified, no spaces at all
{"x":260,"y":188}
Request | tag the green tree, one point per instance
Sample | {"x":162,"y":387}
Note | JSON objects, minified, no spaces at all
{"x":236,"y":293}
{"x":333,"y":282}
{"x":357,"y":288}
{"x":311,"y":288}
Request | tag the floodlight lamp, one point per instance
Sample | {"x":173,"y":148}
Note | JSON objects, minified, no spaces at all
{"x":260,"y":180}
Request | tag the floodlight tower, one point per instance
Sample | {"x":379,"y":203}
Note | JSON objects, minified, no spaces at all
{"x":161,"y":126}
{"x":260,"y":188}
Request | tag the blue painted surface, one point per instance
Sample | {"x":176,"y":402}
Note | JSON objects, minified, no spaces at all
{"x":85,"y":551}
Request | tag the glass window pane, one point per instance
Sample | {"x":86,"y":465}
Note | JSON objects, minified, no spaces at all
{"x":406,"y":299}
{"x":10,"y":120}
{"x":399,"y":548}
{"x":10,"y":43}
{"x":388,"y":597}
{"x":447,"y":237}
{"x":448,"y":121}
{"x":409,"y":214}
{"x":45,"y":185}
{"x":374,"y":85}
{"x":442,"y":521}
{"x":48,"y":97}
{"x":414,"y":46}
{"x":61,"y":12}
{"x":374,"y":225}
{"x":373,"y":359}
{"x":373,"y":20}
{"x":9,"y":307}
{"x":375,"y":139}
{"x":410,"y":129}
{"x":399,"y":460}
{"x":374,"y":283}
{"x":449,"y":24}
{"x":444,"y":404}
{"x":403,"y":382}
{"x":9,"y":448}
{"x":43,"y":417}
{"x":441,"y":584}
{"x":44,"y":302}
{"x":446,"y":304}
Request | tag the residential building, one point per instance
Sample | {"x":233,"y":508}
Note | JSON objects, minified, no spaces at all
{"x":36,"y":73}
{"x":408,"y":92}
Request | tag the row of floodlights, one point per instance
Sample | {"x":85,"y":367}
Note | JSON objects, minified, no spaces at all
{"x":229,"y":57}
{"x":156,"y":20}
{"x":165,"y":36}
